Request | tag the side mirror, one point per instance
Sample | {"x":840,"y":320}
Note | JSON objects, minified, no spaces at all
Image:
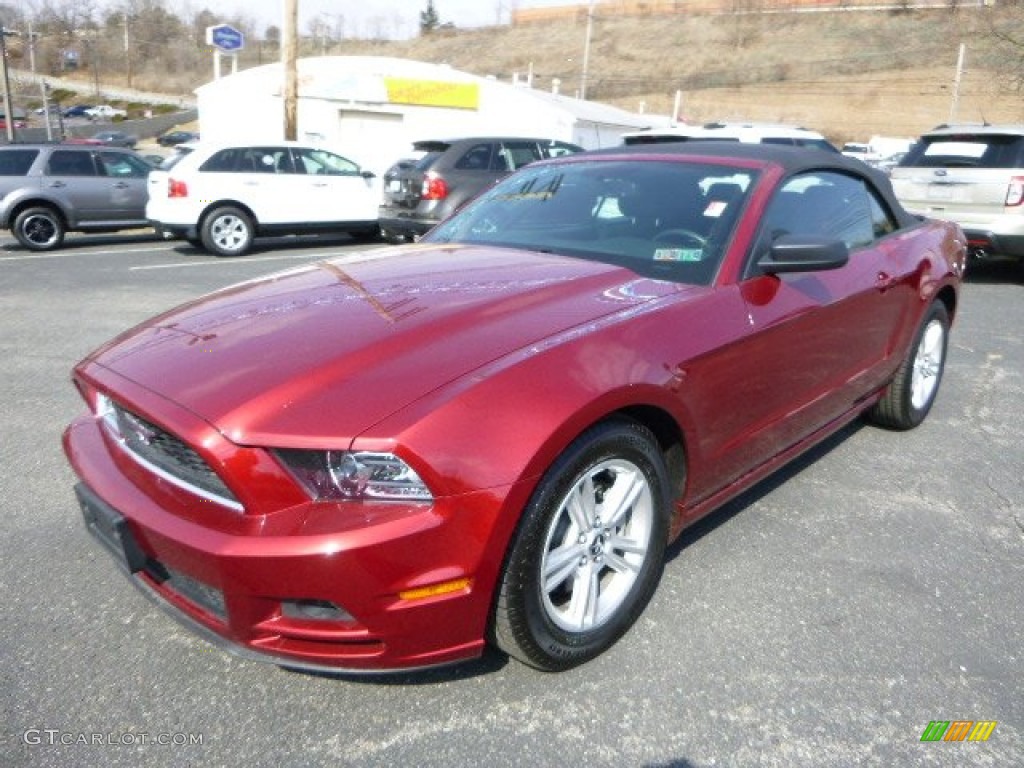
{"x":368,"y":174}
{"x":803,"y":253}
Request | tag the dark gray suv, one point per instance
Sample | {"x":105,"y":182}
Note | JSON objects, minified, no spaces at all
{"x":440,"y":176}
{"x":47,"y":190}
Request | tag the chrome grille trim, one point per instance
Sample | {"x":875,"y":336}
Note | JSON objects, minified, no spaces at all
{"x":113,"y":416}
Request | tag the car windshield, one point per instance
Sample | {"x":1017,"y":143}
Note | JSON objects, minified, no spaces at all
{"x":667,"y":220}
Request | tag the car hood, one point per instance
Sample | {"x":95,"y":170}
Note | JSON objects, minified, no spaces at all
{"x":323,"y":352}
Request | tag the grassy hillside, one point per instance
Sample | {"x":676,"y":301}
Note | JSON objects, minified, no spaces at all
{"x":848,"y":74}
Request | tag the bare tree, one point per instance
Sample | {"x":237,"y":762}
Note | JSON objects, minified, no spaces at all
{"x":1004,"y":38}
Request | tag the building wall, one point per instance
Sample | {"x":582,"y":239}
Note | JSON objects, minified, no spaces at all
{"x":352,"y":113}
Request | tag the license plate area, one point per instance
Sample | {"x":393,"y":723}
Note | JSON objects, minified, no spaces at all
{"x":110,"y":528}
{"x":940,"y":192}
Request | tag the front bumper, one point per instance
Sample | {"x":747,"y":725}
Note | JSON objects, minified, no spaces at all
{"x":232,"y":587}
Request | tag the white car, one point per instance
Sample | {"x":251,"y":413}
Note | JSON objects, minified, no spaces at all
{"x":105,"y":112}
{"x":747,"y":133}
{"x":222,"y":196}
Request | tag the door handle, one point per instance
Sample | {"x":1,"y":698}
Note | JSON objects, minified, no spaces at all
{"x":57,"y":184}
{"x":884,"y":281}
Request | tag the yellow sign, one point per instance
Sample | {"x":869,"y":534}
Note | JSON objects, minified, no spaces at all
{"x":432,"y":93}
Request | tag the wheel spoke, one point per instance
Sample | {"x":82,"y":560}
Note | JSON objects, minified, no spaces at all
{"x":628,"y":546}
{"x":559,"y":565}
{"x":621,"y":497}
{"x":586,"y":593}
{"x":582,"y":507}
{"x":621,"y":565}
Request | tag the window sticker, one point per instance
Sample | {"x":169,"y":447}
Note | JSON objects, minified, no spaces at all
{"x":678,"y":254}
{"x":715,"y":208}
{"x":956,"y":149}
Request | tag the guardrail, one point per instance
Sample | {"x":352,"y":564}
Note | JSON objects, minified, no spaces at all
{"x":146,"y":128}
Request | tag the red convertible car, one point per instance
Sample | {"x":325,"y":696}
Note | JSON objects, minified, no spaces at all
{"x":490,"y":436}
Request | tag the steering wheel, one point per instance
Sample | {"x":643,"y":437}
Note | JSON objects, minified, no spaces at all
{"x":688,"y":236}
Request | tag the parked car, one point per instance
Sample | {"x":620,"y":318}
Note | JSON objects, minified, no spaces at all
{"x":78,"y":110}
{"x":173,"y":138}
{"x":973,"y":175}
{"x":438,"y":176}
{"x":115,"y":138}
{"x":888,"y":162}
{"x":222,"y":196}
{"x":860,"y":151}
{"x":746,"y":133}
{"x":381,"y":462}
{"x":47,"y":190}
{"x":105,"y":112}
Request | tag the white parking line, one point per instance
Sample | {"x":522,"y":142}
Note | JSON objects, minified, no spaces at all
{"x":348,"y":255}
{"x":77,"y":253}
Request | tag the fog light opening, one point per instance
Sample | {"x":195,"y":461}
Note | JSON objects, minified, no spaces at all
{"x":315,"y":610}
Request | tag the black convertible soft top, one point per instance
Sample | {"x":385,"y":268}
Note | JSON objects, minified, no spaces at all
{"x":792,"y":160}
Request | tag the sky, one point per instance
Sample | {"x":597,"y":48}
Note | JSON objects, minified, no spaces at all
{"x":380,"y":18}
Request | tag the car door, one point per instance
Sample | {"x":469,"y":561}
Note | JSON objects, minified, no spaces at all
{"x":126,"y":177}
{"x":72,"y":176}
{"x":260,"y":178}
{"x":818,"y":341}
{"x":334,"y":189}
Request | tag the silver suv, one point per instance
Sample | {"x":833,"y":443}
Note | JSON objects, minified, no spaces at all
{"x":47,"y":190}
{"x":973,"y":175}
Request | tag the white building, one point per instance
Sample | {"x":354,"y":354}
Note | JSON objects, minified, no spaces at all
{"x":372,"y":108}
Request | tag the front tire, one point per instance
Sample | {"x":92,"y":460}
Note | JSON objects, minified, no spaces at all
{"x":227,"y":231}
{"x":39,"y":229}
{"x":588,"y":552}
{"x":909,"y":396}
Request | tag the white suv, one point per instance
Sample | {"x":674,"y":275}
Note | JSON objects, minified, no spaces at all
{"x":973,"y":175}
{"x":747,"y":133}
{"x":220,"y":197}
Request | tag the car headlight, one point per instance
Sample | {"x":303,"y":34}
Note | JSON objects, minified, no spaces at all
{"x":364,"y":475}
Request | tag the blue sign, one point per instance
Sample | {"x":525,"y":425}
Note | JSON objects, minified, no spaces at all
{"x":225,"y":38}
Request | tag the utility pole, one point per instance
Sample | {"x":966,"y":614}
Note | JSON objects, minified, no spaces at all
{"x":44,"y":90}
{"x":32,"y":47}
{"x":8,"y":110}
{"x":127,"y":53}
{"x":956,"y":83}
{"x":586,"y":51}
{"x":289,"y":63}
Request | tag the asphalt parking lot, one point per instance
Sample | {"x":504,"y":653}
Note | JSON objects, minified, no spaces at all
{"x":823,"y":619}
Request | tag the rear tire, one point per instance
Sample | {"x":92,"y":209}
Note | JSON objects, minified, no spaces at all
{"x":909,"y":396}
{"x":589,"y":550}
{"x":366,"y":235}
{"x":39,"y":229}
{"x":227,"y":231}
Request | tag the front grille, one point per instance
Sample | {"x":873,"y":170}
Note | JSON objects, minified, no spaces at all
{"x":166,"y":454}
